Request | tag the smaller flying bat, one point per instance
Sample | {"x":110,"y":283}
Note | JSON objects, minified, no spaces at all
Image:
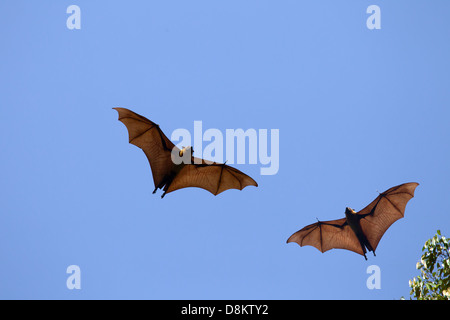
{"x":174,"y":168}
{"x":358,"y":230}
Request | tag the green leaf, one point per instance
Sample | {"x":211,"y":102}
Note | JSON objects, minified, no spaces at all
{"x":434,"y":266}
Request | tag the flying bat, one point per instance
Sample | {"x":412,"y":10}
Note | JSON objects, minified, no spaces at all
{"x":174,"y":168}
{"x":360,"y":230}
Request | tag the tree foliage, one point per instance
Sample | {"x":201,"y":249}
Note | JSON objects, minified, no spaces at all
{"x":433,"y":283}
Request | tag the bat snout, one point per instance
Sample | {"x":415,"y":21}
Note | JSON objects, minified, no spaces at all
{"x":185,"y":150}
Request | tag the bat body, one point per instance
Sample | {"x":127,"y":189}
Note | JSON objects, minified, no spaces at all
{"x":174,"y":168}
{"x":352,"y":219}
{"x":358,"y":231}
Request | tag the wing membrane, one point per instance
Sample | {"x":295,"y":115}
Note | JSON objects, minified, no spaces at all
{"x":382,"y":212}
{"x":327,"y":235}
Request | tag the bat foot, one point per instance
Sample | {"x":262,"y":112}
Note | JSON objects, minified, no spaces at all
{"x":154,"y":191}
{"x":163,"y":195}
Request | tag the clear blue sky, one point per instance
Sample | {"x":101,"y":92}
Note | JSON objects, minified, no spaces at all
{"x":358,"y":111}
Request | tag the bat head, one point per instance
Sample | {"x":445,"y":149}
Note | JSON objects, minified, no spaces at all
{"x":349,"y":210}
{"x":186,"y":150}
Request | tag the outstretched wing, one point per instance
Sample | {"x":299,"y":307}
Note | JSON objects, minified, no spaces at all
{"x":147,"y":135}
{"x":211,"y":176}
{"x":326,"y":235}
{"x":387,"y":208}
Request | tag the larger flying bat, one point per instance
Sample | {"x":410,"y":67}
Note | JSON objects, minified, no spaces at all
{"x":358,"y":230}
{"x":168,"y":163}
